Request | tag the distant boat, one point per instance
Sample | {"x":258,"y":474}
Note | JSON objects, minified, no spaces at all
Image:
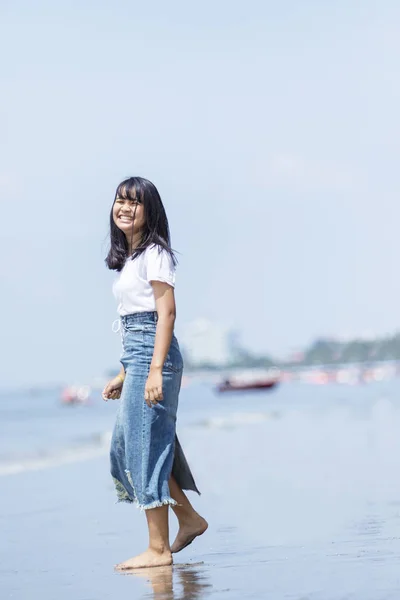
{"x":266,"y":381}
{"x":74,"y":394}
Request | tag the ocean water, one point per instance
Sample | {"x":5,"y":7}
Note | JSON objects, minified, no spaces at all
{"x":37,"y":430}
{"x":300,"y":486}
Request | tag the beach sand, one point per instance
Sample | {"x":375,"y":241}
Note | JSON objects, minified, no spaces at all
{"x":302,"y":504}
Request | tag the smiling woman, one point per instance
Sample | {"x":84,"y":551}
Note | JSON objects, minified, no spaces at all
{"x":137,"y":220}
{"x":147,"y":462}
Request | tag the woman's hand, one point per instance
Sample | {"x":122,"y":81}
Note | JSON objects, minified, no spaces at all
{"x":153,"y":389}
{"x":113,"y":389}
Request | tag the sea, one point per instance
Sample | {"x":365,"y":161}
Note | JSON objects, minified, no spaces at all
{"x":38,"y":431}
{"x":300,"y":484}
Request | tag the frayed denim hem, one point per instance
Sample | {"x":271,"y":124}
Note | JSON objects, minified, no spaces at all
{"x":157,"y":504}
{"x":123,"y":496}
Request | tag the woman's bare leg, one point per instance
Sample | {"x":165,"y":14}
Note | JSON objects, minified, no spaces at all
{"x":158,"y":553}
{"x":191,"y":524}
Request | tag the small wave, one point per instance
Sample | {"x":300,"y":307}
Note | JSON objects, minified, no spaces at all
{"x":238,"y":419}
{"x":98,"y":448}
{"x":98,"y":445}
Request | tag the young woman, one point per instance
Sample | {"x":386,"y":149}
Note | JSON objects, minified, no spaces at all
{"x":147,"y":462}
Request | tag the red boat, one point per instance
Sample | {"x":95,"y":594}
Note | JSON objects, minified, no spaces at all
{"x":240,"y":385}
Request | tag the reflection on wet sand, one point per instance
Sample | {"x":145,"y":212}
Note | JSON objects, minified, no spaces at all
{"x":176,"y":582}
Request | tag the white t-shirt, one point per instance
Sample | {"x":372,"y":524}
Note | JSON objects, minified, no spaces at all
{"x":133,"y":289}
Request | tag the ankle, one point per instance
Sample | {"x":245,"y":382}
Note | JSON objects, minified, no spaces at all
{"x":160,"y":548}
{"x":186,"y":517}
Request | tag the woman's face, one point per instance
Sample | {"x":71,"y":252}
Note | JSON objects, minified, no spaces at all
{"x":124,"y":211}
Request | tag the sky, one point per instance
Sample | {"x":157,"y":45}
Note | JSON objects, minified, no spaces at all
{"x":271,"y":130}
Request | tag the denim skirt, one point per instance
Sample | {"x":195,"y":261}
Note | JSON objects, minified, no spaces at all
{"x":145,"y":450}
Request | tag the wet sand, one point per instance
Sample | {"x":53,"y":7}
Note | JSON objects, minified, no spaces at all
{"x":303,"y":502}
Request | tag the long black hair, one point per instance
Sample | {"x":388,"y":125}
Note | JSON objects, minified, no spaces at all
{"x":156,"y":228}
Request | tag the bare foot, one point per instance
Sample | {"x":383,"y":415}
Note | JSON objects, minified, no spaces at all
{"x":188,"y":532}
{"x":148,"y":559}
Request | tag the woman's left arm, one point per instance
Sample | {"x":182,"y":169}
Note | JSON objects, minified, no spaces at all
{"x":166,"y":310}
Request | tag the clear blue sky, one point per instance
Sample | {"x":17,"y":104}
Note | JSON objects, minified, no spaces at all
{"x":272,"y":132}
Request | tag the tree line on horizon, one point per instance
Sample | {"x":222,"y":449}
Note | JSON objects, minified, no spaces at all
{"x":322,"y":351}
{"x":325,"y":351}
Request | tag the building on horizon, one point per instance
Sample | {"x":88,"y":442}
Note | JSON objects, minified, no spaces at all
{"x":206,"y":343}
